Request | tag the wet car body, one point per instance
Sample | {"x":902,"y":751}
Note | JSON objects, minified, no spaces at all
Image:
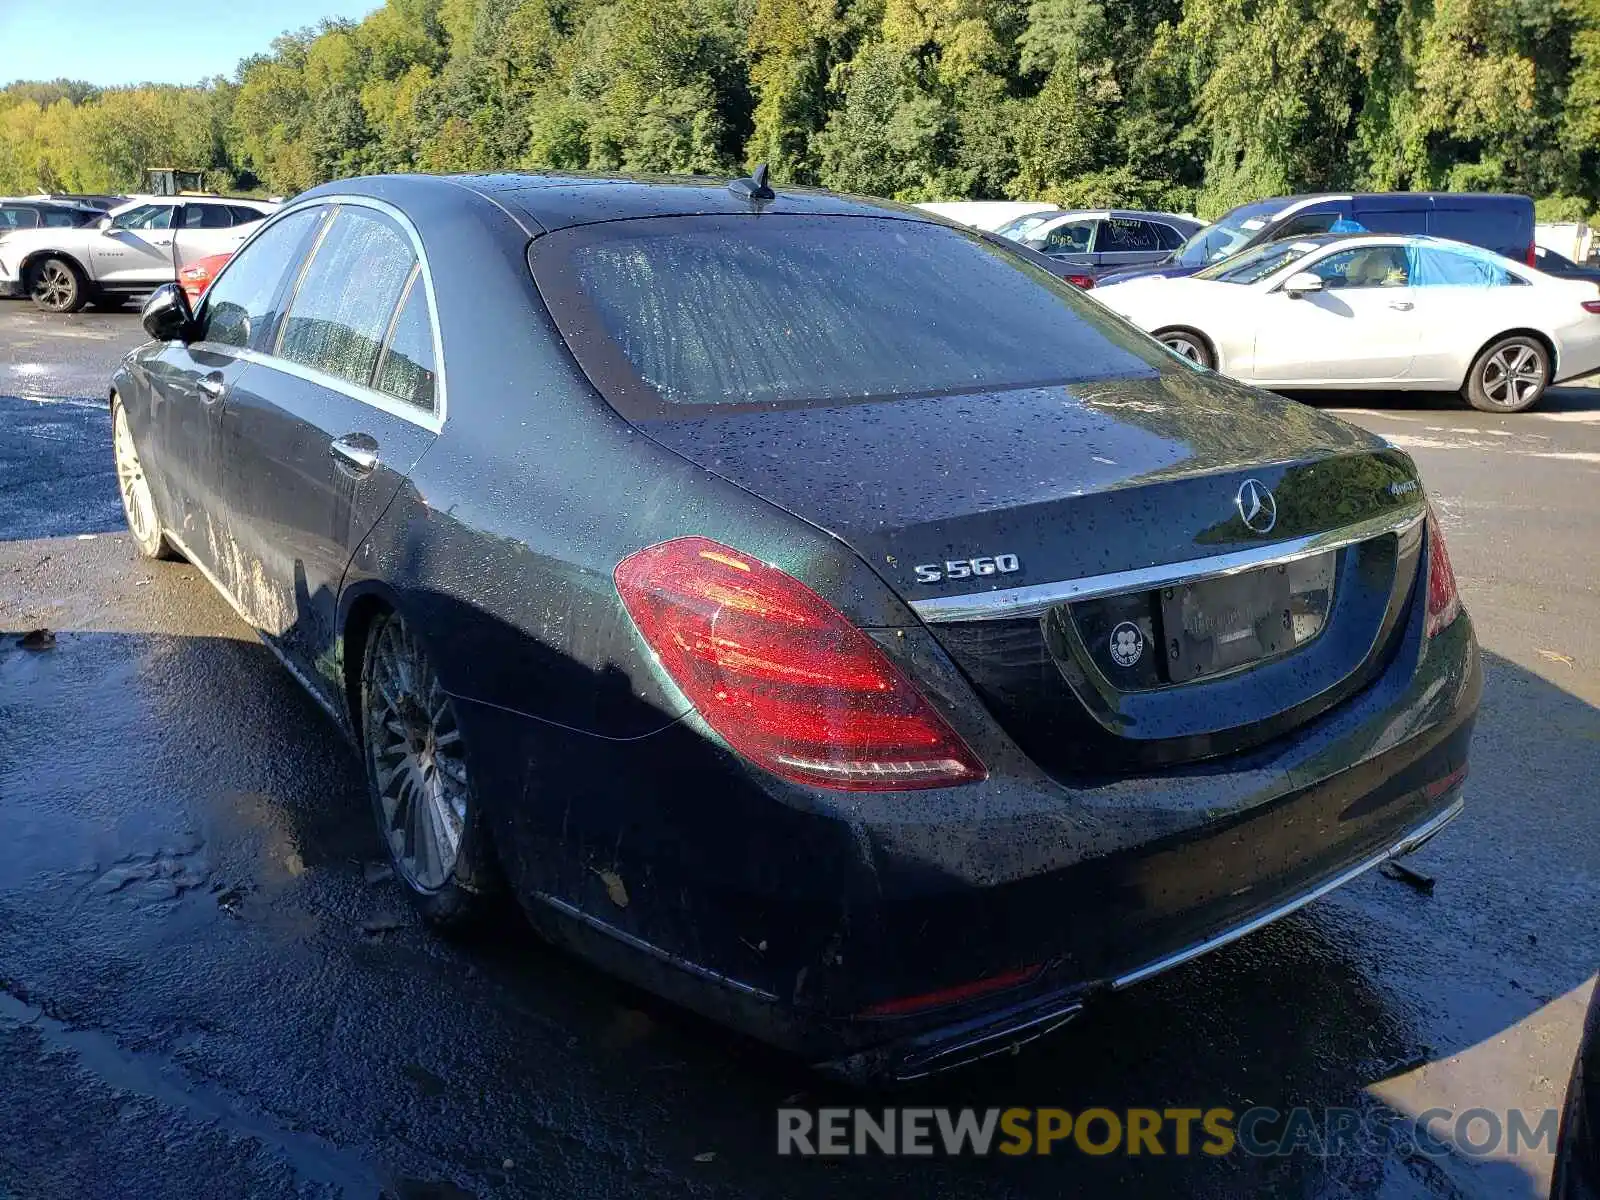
{"x":1116,"y":831}
{"x":1577,"y":1167}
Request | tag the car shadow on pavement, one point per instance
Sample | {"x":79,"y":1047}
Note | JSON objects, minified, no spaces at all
{"x":1567,"y":398}
{"x":193,"y":872}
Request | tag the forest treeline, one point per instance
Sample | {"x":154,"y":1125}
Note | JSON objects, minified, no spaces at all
{"x":1179,"y":104}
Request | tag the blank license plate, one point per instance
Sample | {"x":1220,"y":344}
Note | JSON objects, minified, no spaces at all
{"x":1214,"y":625}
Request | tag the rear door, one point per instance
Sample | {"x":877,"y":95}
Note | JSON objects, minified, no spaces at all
{"x":329,"y":422}
{"x":137,"y":248}
{"x":1362,"y":328}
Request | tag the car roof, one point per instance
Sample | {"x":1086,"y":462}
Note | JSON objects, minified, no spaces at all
{"x":557,"y":201}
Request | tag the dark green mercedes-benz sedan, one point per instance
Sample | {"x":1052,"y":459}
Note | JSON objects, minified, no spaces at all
{"x":811,"y":611}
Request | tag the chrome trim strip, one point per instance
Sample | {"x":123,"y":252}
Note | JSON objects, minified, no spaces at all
{"x":654,"y":951}
{"x":434,"y":421}
{"x":1405,"y":845}
{"x":1036,"y":599}
{"x":936,"y":1060}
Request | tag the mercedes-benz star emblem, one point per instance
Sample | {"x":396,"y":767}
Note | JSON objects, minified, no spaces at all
{"x":1257,"y":509}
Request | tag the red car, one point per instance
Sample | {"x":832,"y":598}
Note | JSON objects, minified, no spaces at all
{"x":197,"y":276}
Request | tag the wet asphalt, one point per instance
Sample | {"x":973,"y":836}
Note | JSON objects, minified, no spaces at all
{"x":208,"y":989}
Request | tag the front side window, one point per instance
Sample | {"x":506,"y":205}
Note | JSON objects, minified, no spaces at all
{"x":1305,"y":223}
{"x":342,"y":309}
{"x":1118,"y":234}
{"x":1069,"y":237}
{"x":1434,"y":267}
{"x":244,"y":216}
{"x":674,"y":313}
{"x":146,"y":216}
{"x":206,"y":216}
{"x":406,"y":368}
{"x":1229,"y":235}
{"x":1366,"y":267}
{"x":238,"y":306}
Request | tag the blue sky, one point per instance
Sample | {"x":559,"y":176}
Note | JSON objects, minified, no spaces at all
{"x":121,"y":41}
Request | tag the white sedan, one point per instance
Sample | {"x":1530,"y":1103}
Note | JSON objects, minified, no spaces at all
{"x":134,"y":248}
{"x":1373,"y":311}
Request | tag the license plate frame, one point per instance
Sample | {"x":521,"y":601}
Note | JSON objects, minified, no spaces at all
{"x":1228,"y":622}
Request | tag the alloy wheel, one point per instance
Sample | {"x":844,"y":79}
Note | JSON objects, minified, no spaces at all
{"x":1513,"y":375}
{"x":54,"y":286}
{"x":418,"y":762}
{"x":1185,"y":347}
{"x":137,"y":504}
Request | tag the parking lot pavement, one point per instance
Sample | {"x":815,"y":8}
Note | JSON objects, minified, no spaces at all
{"x":206,"y":989}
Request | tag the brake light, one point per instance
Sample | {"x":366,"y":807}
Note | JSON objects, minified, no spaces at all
{"x":1533,"y":254}
{"x":1592,"y":306}
{"x":782,"y":676}
{"x":1444,"y":602}
{"x":1082,"y":281}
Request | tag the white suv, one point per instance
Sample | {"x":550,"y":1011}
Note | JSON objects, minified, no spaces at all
{"x":135,"y":247}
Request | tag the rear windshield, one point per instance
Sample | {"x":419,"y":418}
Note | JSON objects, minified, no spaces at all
{"x":670,"y":313}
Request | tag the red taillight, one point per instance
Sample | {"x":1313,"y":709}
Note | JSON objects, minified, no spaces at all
{"x":952,"y":995}
{"x":1444,"y":603}
{"x":1533,"y":254}
{"x":782,"y":676}
{"x":1082,"y":281}
{"x":1592,"y":306}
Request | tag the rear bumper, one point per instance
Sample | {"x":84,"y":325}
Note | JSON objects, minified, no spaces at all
{"x":792,"y":918}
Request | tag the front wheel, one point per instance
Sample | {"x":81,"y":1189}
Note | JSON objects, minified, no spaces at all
{"x":138,"y":504}
{"x":422,"y":795}
{"x":1187,"y":344}
{"x":57,"y":286}
{"x":1510,"y":376}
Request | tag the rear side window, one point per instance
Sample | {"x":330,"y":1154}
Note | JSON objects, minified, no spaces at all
{"x":406,"y":366}
{"x":777,"y":310}
{"x":238,"y":306}
{"x":1435,"y":267}
{"x":206,"y":216}
{"x":64,"y":219}
{"x":1118,"y":234}
{"x":340,"y":313}
{"x":18,"y":218}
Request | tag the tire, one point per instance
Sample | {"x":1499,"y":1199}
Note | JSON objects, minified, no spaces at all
{"x":1189,"y":345}
{"x":427,"y":811}
{"x":1510,"y":376}
{"x":56,"y":285}
{"x":138,"y":503}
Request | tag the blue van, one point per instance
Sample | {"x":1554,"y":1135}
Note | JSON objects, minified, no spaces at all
{"x":1500,"y":223}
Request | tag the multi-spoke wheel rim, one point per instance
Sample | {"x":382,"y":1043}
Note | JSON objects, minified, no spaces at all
{"x":137,"y":505}
{"x":1184,"y":347}
{"x":418,"y":764}
{"x":54,"y":285}
{"x":1513,"y":375}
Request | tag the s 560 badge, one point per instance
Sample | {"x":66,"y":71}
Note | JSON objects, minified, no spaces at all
{"x":966,"y":568}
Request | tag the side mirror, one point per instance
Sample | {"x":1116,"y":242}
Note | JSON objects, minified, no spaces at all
{"x":103,"y":223}
{"x":165,"y":315}
{"x":1302,"y":282}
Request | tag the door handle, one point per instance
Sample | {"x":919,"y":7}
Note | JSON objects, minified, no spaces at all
{"x":1401,"y":305}
{"x":211,"y":388}
{"x":357,"y":451}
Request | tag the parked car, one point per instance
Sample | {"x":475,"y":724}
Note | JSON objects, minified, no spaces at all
{"x":1371,"y":311}
{"x":1576,"y":1173}
{"x":985,"y":214}
{"x":1105,"y":241}
{"x":1503,"y":224}
{"x":880,"y":662}
{"x":32,"y":214}
{"x":1559,"y":265}
{"x":137,"y":246}
{"x":197,"y":276}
